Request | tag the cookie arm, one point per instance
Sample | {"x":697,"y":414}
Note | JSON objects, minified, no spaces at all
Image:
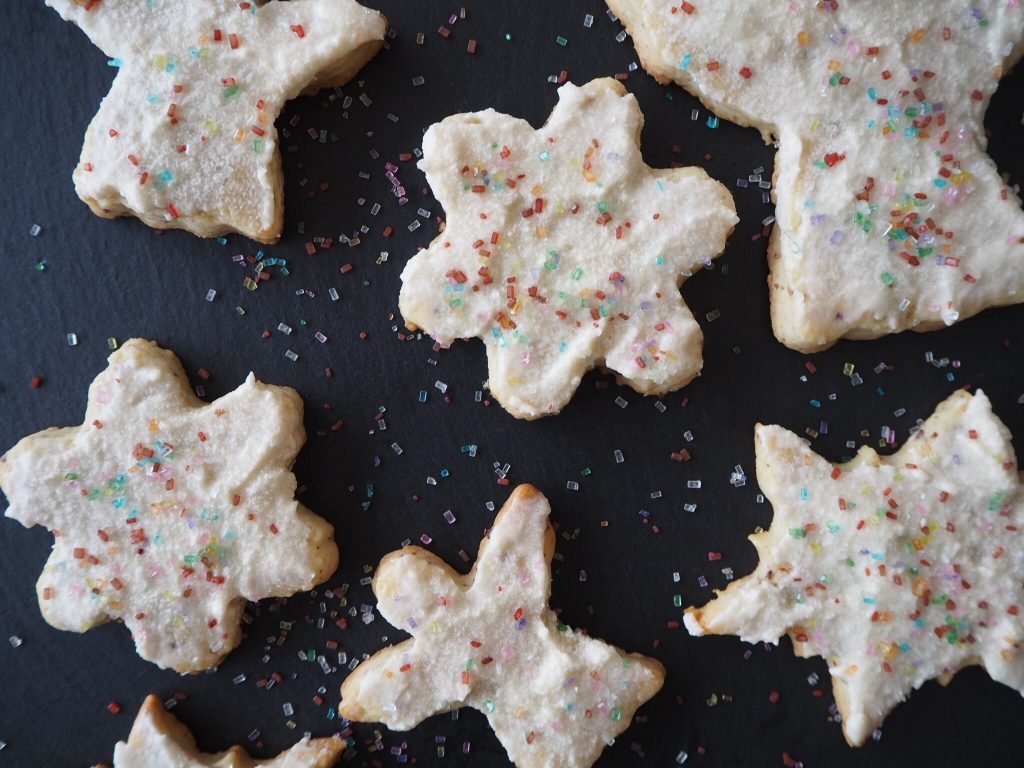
{"x":330,"y":39}
{"x":394,"y":687}
{"x":95,"y":20}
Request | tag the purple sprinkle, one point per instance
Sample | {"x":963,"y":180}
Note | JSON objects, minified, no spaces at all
{"x":837,"y":237}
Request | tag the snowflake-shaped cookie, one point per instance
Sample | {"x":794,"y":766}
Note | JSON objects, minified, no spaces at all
{"x":890,"y":214}
{"x":186,"y":139}
{"x":554,"y":697}
{"x":159,"y":740}
{"x":169,"y":513}
{"x":896,"y":570}
{"x":563,"y":250}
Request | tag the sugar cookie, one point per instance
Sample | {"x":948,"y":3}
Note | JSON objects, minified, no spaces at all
{"x":890,"y":214}
{"x":488,"y":640}
{"x":159,"y":740}
{"x":185,"y":138}
{"x":169,"y":513}
{"x":895,"y":569}
{"x":563,"y":250}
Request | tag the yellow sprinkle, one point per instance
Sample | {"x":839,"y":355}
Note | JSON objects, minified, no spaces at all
{"x":801,"y":37}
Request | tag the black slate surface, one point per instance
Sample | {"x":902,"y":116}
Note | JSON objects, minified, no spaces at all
{"x":120,"y":279}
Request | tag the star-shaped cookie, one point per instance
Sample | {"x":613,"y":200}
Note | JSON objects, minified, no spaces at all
{"x":895,"y":569}
{"x":169,"y":513}
{"x":554,"y":697}
{"x":890,"y":214}
{"x":185,"y":138}
{"x":563,"y":250}
{"x":160,"y":740}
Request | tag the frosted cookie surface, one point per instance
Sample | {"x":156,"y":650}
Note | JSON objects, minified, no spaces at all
{"x":896,"y":569}
{"x":563,"y":250}
{"x":185,"y":138}
{"x":169,"y":513}
{"x":890,"y":214}
{"x":488,"y":640}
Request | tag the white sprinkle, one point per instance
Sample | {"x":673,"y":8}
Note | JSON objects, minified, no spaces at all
{"x":211,"y":295}
{"x":72,"y":339}
{"x":291,"y":355}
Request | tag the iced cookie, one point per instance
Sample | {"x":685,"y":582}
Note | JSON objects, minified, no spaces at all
{"x":895,"y":569}
{"x":563,"y":250}
{"x":169,"y":513}
{"x":185,"y":138}
{"x":890,"y":214}
{"x":159,"y":740}
{"x":554,"y":697}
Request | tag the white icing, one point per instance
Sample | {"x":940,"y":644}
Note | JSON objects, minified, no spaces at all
{"x":928,"y":541}
{"x":553,"y":696}
{"x":839,"y":270}
{"x":205,"y":168}
{"x":589,"y":276}
{"x":142,"y":502}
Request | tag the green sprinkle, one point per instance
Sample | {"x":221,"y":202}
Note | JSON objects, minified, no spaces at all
{"x":887,"y":279}
{"x":797,"y":533}
{"x":561,"y":41}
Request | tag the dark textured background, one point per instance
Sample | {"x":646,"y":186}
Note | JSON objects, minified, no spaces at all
{"x":119,"y":279}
